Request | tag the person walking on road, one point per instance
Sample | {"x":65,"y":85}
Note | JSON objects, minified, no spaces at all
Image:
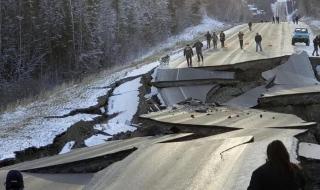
{"x":316,"y":44}
{"x":198,"y":45}
{"x":240,"y":35}
{"x":297,"y":19}
{"x":278,"y":173}
{"x":258,"y":40}
{"x":222,"y":38}
{"x":273,"y":20}
{"x":294,"y":19}
{"x":188,"y":53}
{"x":208,"y":36}
{"x":278,"y":19}
{"x":250,"y":26}
{"x":215,"y":40}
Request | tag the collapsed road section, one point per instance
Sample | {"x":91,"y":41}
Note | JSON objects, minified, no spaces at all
{"x":212,"y":135}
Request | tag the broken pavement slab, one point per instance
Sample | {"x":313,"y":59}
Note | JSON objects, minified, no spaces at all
{"x":191,"y":76}
{"x":294,"y":83}
{"x":225,"y":117}
{"x":84,"y":154}
{"x":200,"y":164}
{"x":248,"y":99}
{"x":286,"y":95}
{"x":297,"y":71}
{"x":309,"y":150}
{"x":174,"y":95}
{"x":179,"y":165}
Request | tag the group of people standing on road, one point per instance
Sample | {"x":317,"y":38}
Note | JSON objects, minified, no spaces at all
{"x":295,"y":19}
{"x":275,"y":19}
{"x":214,"y":37}
{"x":316,"y":45}
{"x":188,"y":51}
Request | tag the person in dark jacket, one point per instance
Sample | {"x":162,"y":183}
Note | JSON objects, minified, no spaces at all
{"x":240,"y":36}
{"x":208,"y":36}
{"x":273,"y":20}
{"x":14,"y":180}
{"x":222,"y":38}
{"x":297,"y":19}
{"x":250,"y":26}
{"x":278,"y":173}
{"x":198,"y":45}
{"x":278,"y":19}
{"x":215,"y":39}
{"x":188,"y":53}
{"x":316,"y":44}
{"x":258,"y":40}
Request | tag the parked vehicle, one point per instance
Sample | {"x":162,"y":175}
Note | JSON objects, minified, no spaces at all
{"x":301,"y":35}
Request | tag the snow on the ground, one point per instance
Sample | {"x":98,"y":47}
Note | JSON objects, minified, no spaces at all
{"x":309,"y":150}
{"x":315,"y":23}
{"x":26,"y":126}
{"x":67,"y":147}
{"x":189,"y":34}
{"x":96,"y":140}
{"x":124,"y":102}
{"x":209,"y":24}
{"x":31,"y":131}
{"x":143,"y":70}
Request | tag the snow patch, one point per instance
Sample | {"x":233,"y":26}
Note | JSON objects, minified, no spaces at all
{"x":27,"y":126}
{"x":143,"y":70}
{"x":35,"y":132}
{"x":125,"y":102}
{"x":67,"y":147}
{"x":96,"y":140}
{"x":189,"y":34}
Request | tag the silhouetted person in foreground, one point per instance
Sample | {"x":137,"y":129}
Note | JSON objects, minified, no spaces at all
{"x":222,"y":38}
{"x":240,"y":36}
{"x":250,"y":26}
{"x":258,"y":40}
{"x":208,"y":36}
{"x":188,"y":53}
{"x":316,"y":43}
{"x":215,"y":39}
{"x":278,"y":173}
{"x":14,"y":180}
{"x":198,"y":45}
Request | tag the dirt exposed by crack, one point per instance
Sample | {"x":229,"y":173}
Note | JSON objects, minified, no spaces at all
{"x":82,"y":130}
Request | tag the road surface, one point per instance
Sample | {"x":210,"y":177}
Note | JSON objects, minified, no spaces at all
{"x":224,"y":161}
{"x":276,"y":42}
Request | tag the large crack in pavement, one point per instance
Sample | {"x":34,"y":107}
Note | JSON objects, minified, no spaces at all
{"x":82,"y":130}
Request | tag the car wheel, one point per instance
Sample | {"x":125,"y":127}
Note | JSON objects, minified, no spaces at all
{"x":307,"y":43}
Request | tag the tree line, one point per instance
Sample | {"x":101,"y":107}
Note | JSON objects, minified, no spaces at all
{"x":46,"y":42}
